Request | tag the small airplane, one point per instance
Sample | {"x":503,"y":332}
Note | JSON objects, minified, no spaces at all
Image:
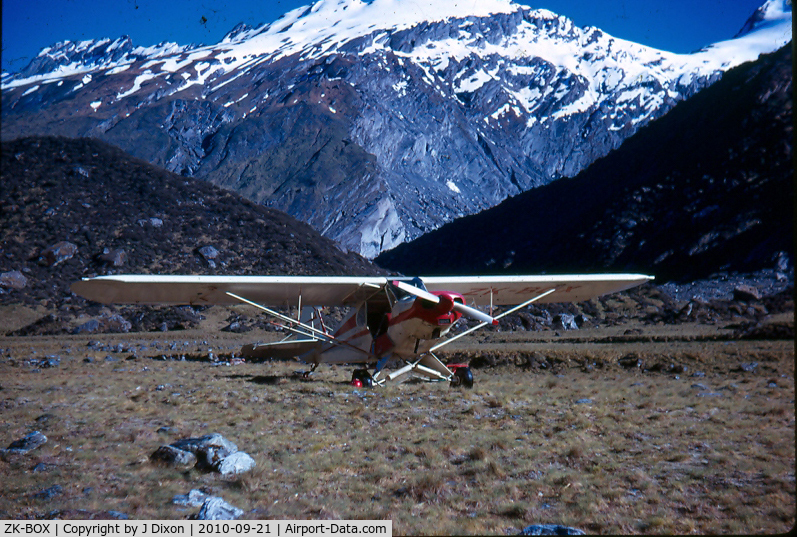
{"x":390,"y":318}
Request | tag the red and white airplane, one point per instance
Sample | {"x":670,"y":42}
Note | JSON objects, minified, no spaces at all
{"x":390,"y":318}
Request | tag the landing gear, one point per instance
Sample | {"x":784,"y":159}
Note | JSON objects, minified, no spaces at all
{"x":306,"y":374}
{"x":363,"y":377}
{"x":463,"y":378}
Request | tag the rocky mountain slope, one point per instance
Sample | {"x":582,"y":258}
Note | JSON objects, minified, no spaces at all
{"x":707,"y":188}
{"x":78,"y":208}
{"x":372,"y":123}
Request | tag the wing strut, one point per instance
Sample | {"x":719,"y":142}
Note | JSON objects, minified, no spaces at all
{"x":526,"y":303}
{"x":314,"y":332}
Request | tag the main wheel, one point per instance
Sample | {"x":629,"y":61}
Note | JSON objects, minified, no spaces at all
{"x":364,"y":377}
{"x":462,"y":378}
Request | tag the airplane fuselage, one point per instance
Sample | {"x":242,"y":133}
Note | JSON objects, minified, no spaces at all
{"x":409,"y":329}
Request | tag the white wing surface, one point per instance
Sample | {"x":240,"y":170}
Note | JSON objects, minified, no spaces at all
{"x":278,"y":291}
{"x":274,"y":291}
{"x":510,"y":290}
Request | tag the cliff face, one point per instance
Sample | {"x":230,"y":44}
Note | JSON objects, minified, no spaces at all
{"x":373,"y":126}
{"x":707,"y":188}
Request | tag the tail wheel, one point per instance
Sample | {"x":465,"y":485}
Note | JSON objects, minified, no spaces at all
{"x":462,"y":378}
{"x":363,"y":376}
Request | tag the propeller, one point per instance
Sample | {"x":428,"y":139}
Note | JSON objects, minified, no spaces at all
{"x":473,"y":313}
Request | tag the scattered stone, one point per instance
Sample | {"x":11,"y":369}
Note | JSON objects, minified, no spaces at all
{"x":195,"y":498}
{"x":116,"y":258}
{"x":41,"y":467}
{"x":630,"y":361}
{"x":746,"y":293}
{"x":118,"y":515}
{"x":48,"y":493}
{"x":236,"y":463}
{"x":746,"y":368}
{"x":13,"y":279}
{"x":215,"y":508}
{"x":565,"y":321}
{"x":585,"y":401}
{"x":57,"y":253}
{"x":211,"y":452}
{"x":208,"y":449}
{"x":90,"y":326}
{"x":173,"y":455}
{"x":550,"y":529}
{"x":699,"y":386}
{"x":27,"y":443}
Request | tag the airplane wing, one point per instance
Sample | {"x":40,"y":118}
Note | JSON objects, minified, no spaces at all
{"x":510,"y":290}
{"x":276,"y":291}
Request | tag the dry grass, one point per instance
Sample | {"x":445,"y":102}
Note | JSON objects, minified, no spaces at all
{"x":649,"y":453}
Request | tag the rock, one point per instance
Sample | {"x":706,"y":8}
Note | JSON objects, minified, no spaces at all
{"x":174,"y":456}
{"x":565,"y":321}
{"x":746,"y":368}
{"x":116,"y":323}
{"x":235,"y":463}
{"x":585,"y":401}
{"x":194,"y":498}
{"x":106,"y":323}
{"x":746,"y":293}
{"x":550,"y":529}
{"x":209,"y":449}
{"x":215,"y":508}
{"x":208,"y":252}
{"x":57,"y":253}
{"x":13,"y":279}
{"x":630,"y":361}
{"x":27,"y":443}
{"x":48,"y":493}
{"x":90,"y":326}
{"x":116,"y":257}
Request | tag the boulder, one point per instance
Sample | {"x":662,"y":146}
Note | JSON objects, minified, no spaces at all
{"x":13,"y":279}
{"x":235,"y":463}
{"x":174,"y":456}
{"x":115,"y":258}
{"x":209,"y":254}
{"x":746,"y":293}
{"x":209,"y":449}
{"x":215,"y":508}
{"x":27,"y":443}
{"x":57,"y":253}
{"x":49,"y":493}
{"x":565,"y":321}
{"x":550,"y":529}
{"x":194,"y":498}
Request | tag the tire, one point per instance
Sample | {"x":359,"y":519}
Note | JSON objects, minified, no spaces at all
{"x":363,"y":376}
{"x":463,"y":378}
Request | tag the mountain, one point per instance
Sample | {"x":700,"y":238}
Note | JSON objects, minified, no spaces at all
{"x":74,"y":208}
{"x":377,"y":121}
{"x":706,"y":188}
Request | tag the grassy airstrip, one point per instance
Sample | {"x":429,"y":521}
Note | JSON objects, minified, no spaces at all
{"x":586,"y":443}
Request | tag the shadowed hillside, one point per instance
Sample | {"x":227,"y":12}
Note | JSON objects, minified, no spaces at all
{"x":73,"y":208}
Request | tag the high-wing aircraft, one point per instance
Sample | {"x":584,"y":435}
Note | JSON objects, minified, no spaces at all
{"x":390,"y":318}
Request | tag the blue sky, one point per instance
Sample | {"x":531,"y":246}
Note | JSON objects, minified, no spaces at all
{"x":30,"y":25}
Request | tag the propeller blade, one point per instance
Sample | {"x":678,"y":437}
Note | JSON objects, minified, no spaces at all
{"x":420,"y":293}
{"x":474,"y":313}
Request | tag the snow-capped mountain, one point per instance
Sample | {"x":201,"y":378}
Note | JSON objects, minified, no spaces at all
{"x":375,"y":121}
